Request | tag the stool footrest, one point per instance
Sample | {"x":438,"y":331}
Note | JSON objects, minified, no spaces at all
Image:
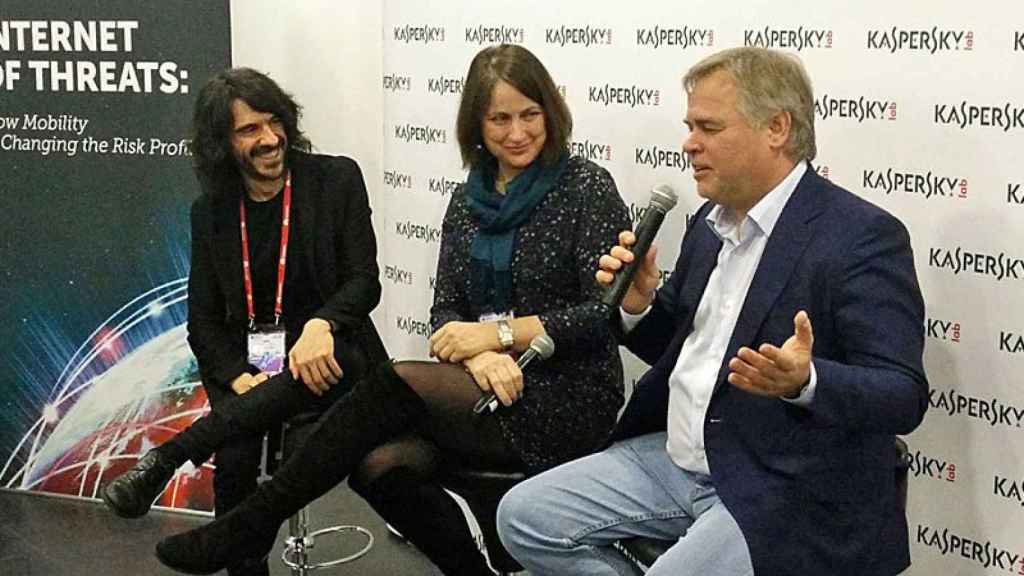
{"x":297,"y":546}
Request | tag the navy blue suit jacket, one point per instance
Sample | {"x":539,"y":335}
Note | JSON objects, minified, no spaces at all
{"x":811,"y":488}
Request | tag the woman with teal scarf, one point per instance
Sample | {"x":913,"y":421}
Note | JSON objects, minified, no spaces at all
{"x":519,"y":250}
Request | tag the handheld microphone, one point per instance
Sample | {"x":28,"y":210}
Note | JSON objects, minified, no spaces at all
{"x":542,"y":346}
{"x":663,"y":199}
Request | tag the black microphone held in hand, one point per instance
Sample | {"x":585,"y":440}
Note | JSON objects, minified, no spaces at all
{"x":663,"y":199}
{"x":542,"y":346}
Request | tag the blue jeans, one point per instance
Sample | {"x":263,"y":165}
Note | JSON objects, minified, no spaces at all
{"x":565,"y":520}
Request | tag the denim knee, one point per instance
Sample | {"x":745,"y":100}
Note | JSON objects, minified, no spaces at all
{"x":513,"y":511}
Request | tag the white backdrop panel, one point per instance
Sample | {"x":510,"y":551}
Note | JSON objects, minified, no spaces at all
{"x":919,"y":112}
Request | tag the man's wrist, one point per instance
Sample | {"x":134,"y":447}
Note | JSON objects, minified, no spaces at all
{"x":319,"y":324}
{"x":796,"y":393}
{"x":805,"y":395}
{"x":629,"y":320}
{"x":635,"y":308}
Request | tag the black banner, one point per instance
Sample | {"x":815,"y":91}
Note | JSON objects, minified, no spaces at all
{"x":95,"y":103}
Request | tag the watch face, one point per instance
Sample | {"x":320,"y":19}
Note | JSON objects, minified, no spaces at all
{"x":505,"y":335}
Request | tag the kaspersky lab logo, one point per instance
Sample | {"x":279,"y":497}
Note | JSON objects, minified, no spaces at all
{"x":410,"y":34}
{"x":421,"y":133}
{"x":1011,"y":342}
{"x":626,"y":96}
{"x":397,"y":83}
{"x":415,"y":231}
{"x":981,"y":552}
{"x":922,"y":465}
{"x":445,"y":85}
{"x":1014,"y":194}
{"x":946,"y":330}
{"x":925,"y":184}
{"x":675,"y":38}
{"x":998,"y":266}
{"x":585,"y":36}
{"x":989,"y":410}
{"x":443,"y":186}
{"x":1008,"y":488}
{"x":637,"y":212}
{"x":412,"y":326}
{"x":398,"y":275}
{"x":656,"y":157}
{"x":482,"y":34}
{"x":860,"y":109}
{"x":1018,"y":41}
{"x":590,"y":150}
{"x":1003,"y":117}
{"x":926,"y":40}
{"x":397,"y":180}
{"x":798,"y":39}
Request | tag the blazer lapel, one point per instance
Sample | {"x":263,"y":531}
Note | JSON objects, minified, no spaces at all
{"x":787,"y":243}
{"x":699,"y":259}
{"x":305,"y":187}
{"x":706,"y":246}
{"x":227,"y":253}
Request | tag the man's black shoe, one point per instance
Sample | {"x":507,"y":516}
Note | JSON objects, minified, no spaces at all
{"x":241,"y":534}
{"x":131,"y":494}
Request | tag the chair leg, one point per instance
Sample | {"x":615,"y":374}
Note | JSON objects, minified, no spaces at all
{"x":298,"y":530}
{"x":301,"y":540}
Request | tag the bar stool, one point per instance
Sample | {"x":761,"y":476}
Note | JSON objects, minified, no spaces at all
{"x":300,"y":540}
{"x":482,"y":489}
{"x":644,"y":551}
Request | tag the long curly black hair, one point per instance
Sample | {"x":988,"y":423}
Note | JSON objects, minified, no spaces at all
{"x":213,"y":123}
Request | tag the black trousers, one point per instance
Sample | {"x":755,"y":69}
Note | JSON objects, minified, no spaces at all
{"x":425,"y":399}
{"x":238,"y":454}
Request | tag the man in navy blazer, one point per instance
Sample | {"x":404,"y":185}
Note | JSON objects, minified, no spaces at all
{"x":763,"y":444}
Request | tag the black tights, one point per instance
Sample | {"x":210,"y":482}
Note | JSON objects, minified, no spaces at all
{"x":395,"y":425}
{"x":400,"y":479}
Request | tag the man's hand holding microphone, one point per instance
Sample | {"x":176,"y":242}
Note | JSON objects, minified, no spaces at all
{"x":632,"y":276}
{"x":631,"y":283}
{"x":645,"y":280}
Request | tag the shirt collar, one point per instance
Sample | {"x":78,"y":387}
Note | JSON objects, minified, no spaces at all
{"x":762,"y":217}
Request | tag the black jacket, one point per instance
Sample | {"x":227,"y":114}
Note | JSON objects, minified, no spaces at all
{"x":331,"y":219}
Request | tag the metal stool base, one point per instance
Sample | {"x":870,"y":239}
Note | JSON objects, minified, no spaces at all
{"x":296,"y":547}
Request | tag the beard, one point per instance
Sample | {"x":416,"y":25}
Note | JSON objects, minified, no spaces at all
{"x":254,"y":167}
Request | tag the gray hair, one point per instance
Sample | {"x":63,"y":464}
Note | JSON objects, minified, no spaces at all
{"x":767,"y":82}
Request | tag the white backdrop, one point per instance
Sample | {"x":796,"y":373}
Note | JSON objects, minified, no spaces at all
{"x":920,"y":112}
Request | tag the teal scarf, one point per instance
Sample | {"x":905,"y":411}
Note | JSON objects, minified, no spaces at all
{"x":499,"y":216}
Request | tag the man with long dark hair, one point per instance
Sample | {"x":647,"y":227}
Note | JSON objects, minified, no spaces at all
{"x":284,"y":275}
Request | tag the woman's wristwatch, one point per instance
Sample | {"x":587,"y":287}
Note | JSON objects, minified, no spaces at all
{"x":505,"y":335}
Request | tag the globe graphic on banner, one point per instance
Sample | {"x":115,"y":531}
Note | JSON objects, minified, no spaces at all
{"x":133,"y":388}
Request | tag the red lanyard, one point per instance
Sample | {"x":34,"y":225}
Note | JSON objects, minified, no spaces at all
{"x":246,"y":271}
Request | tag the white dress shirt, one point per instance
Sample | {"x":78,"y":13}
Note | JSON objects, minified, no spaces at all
{"x":693,"y":379}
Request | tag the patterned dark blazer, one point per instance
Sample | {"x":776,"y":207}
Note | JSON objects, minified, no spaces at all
{"x":571,"y":400}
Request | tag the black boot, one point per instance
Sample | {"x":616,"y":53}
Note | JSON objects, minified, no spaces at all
{"x":245,"y":534}
{"x":377,"y":409}
{"x":131,"y":494}
{"x":250,"y":567}
{"x":428,"y":517}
